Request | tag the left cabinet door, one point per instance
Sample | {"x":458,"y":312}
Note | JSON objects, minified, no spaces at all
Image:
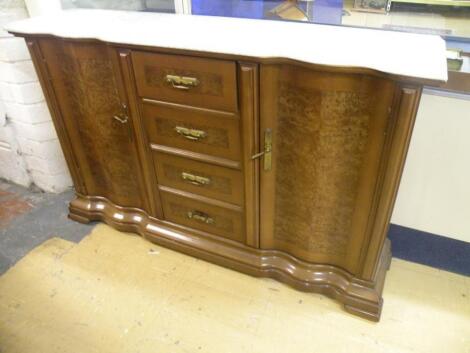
{"x":83,"y":92}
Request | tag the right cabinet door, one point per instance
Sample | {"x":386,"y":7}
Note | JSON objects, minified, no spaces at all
{"x":328,"y":132}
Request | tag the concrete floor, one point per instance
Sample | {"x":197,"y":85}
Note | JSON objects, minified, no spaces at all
{"x":29,"y":217}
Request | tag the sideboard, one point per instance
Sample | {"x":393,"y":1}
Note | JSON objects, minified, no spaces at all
{"x":271,"y":148}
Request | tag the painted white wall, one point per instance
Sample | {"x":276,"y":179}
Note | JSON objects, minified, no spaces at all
{"x":434,"y":194}
{"x":42,"y":7}
{"x":29,"y":148}
{"x":12,"y":164}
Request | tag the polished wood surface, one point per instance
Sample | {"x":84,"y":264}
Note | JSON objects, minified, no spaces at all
{"x":203,"y":214}
{"x":403,"y":114}
{"x":248,"y":74}
{"x":220,"y":133}
{"x":96,"y":120}
{"x":328,"y":135}
{"x":123,"y":64}
{"x":215,"y":89}
{"x":224,"y":184}
{"x":174,"y":147}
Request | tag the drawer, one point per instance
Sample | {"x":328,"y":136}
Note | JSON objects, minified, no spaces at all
{"x":193,"y":130}
{"x":204,"y":179}
{"x":186,"y":80}
{"x":202,"y":216}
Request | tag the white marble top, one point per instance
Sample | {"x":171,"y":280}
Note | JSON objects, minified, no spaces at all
{"x":405,"y":54}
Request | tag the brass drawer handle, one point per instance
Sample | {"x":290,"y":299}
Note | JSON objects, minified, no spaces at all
{"x":182,"y":82}
{"x":190,"y":134}
{"x":195,"y":179}
{"x":200,"y":217}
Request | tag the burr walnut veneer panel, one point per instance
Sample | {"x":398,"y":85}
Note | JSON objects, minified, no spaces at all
{"x":329,"y":131}
{"x":203,"y":215}
{"x":271,"y":167}
{"x":224,"y":184}
{"x":221,"y":131}
{"x":84,"y":83}
{"x":215,"y":86}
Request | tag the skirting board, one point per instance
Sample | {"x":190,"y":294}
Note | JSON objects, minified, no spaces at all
{"x":430,"y":249}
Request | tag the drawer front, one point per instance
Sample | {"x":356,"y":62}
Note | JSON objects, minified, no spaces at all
{"x":204,"y":179}
{"x":202,"y":216}
{"x":193,"y":130}
{"x":186,"y":80}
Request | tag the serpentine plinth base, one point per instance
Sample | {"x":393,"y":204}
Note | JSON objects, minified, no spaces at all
{"x":359,"y":297}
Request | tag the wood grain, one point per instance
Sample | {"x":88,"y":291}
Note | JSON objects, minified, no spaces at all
{"x":83,"y":80}
{"x":217,"y":80}
{"x":223,"y":183}
{"x":328,"y":136}
{"x":122,"y":64}
{"x":222,"y":132}
{"x":52,"y":103}
{"x":227,"y":223}
{"x":248,"y":74}
{"x":405,"y":107}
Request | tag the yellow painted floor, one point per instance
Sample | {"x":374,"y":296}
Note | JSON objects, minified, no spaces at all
{"x":115,"y":292}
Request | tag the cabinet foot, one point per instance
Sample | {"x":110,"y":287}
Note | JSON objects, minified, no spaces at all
{"x":79,"y":218}
{"x":368,"y":315}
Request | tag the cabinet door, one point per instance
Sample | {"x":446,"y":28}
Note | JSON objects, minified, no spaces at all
{"x":95,"y":119}
{"x":328,"y":133}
